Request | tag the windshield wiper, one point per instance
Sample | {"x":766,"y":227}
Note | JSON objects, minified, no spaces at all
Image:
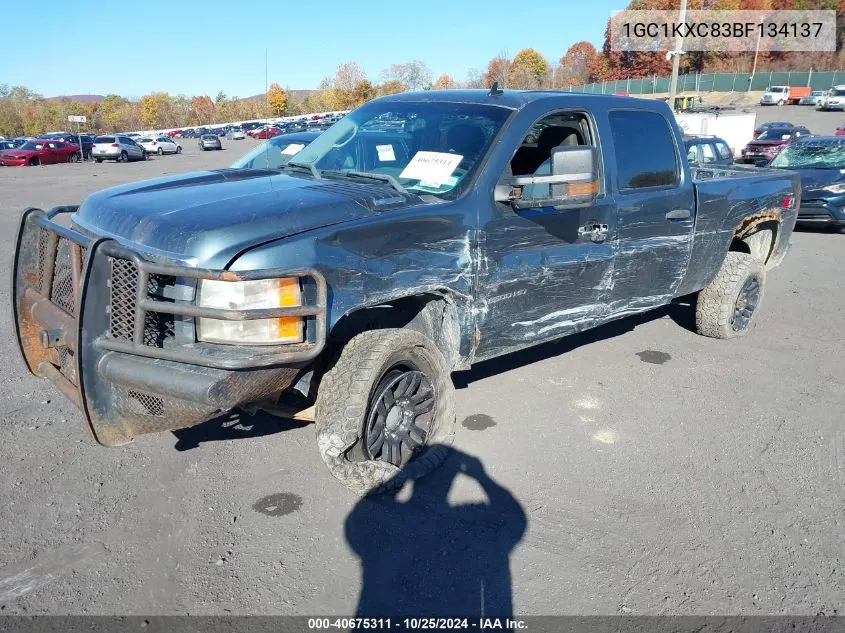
{"x":365,"y":174}
{"x":309,"y":166}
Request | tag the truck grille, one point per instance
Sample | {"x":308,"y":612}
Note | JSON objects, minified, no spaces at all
{"x":159,"y":328}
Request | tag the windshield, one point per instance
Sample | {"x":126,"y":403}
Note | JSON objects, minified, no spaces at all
{"x":427,"y":147}
{"x":837,"y":92}
{"x":774,"y":134}
{"x":811,"y":156}
{"x":274,"y":154}
{"x":104,"y":139}
{"x":209,"y":137}
{"x":31,"y":146}
{"x":145,"y":140}
{"x":777,"y":89}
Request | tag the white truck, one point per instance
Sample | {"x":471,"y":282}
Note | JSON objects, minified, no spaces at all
{"x":780,"y":95}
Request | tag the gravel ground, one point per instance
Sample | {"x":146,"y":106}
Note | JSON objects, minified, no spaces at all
{"x":638,"y":468}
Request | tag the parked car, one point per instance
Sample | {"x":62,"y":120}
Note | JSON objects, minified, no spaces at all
{"x":174,"y":133}
{"x":11,"y":143}
{"x":160,"y":145}
{"x":44,"y":152}
{"x":276,"y":152}
{"x":766,"y":146}
{"x":820,"y":161}
{"x":118,"y":148}
{"x":708,"y":150}
{"x":267,"y":132}
{"x":365,"y":271}
{"x":770,"y":124}
{"x":251,"y":125}
{"x":235,"y":133}
{"x":812,"y":98}
{"x":833,"y":100}
{"x":780,"y":95}
{"x":210,"y":141}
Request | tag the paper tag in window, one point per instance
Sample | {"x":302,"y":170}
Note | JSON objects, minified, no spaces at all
{"x":292,"y":149}
{"x":432,"y":167}
{"x":385,"y":153}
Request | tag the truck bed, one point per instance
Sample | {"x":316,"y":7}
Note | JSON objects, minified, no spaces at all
{"x":730,"y":200}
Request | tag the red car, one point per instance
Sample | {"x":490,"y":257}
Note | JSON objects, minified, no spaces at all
{"x":40,"y":153}
{"x":840,"y":131}
{"x":267,"y":132}
{"x":174,"y":133}
{"x":766,"y":146}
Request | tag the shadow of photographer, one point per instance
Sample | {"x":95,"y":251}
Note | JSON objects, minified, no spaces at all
{"x":423,"y":557}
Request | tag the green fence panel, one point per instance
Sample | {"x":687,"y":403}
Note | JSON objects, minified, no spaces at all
{"x":799,"y":79}
{"x":724,"y":82}
{"x":822,"y":80}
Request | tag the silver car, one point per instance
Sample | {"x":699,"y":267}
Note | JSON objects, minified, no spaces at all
{"x":120,"y":148}
{"x":812,"y":98}
{"x":210,"y":141}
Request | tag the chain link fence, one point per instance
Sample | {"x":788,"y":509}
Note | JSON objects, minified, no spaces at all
{"x":718,"y":82}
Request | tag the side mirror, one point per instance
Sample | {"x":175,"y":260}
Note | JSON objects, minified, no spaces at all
{"x":573,"y":181}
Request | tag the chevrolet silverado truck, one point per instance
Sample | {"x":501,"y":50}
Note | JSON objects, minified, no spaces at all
{"x":420,"y":234}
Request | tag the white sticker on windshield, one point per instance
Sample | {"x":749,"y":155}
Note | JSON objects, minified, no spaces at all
{"x":292,"y":149}
{"x":432,"y":167}
{"x":784,"y":137}
{"x":385,"y":153}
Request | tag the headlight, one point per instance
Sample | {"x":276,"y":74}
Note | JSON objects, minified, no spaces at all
{"x":246,"y":295}
{"x":837,"y":188}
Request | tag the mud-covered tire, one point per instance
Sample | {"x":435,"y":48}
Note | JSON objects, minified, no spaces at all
{"x":717,"y":303}
{"x":343,"y":403}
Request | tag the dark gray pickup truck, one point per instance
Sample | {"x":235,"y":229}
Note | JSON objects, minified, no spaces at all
{"x":420,"y":234}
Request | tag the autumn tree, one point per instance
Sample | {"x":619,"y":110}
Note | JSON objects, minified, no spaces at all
{"x":277,"y":99}
{"x":391,"y":87}
{"x":202,"y":109}
{"x":498,"y":70}
{"x":575,"y":65}
{"x":414,"y":74}
{"x":527,"y":70}
{"x":444,"y":82}
{"x":361,"y":93}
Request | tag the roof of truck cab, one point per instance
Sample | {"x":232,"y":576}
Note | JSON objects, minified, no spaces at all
{"x":514,"y":99}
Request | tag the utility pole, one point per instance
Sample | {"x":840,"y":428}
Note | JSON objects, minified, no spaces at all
{"x":676,"y":56}
{"x":756,"y":52}
{"x":266,"y":100}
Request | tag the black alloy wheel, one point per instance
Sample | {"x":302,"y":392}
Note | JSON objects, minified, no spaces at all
{"x":746,"y":304}
{"x":397,"y":425}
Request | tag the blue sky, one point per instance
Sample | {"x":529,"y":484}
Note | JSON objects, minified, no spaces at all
{"x":202,"y":46}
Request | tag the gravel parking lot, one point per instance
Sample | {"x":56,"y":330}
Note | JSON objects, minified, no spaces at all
{"x":638,"y":468}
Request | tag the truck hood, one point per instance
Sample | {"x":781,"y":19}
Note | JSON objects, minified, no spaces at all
{"x":206,"y":218}
{"x":766,"y":143}
{"x":814,"y":180}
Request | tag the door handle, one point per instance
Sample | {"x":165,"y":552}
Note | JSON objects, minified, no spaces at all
{"x":594,"y":231}
{"x":679,"y":214}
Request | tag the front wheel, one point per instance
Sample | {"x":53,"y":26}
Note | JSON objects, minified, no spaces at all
{"x":178,"y":149}
{"x":727,"y":307}
{"x":385,"y":412}
{"x":35,"y":162}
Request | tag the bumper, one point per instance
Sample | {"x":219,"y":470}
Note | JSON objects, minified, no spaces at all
{"x":106,"y":155}
{"x":210,"y":145}
{"x":819,"y":213}
{"x":9,"y":162}
{"x":104,"y":325}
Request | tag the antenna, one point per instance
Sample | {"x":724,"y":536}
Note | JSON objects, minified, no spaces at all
{"x":495,"y":91}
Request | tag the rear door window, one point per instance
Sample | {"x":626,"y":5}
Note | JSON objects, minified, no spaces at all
{"x":709,"y":156}
{"x":723,"y":149}
{"x":645,"y":150}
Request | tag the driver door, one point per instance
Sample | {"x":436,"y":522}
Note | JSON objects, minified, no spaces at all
{"x":545,"y":271}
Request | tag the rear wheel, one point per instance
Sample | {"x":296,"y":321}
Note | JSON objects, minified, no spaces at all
{"x":385,"y":411}
{"x":178,"y":149}
{"x":74,"y":158}
{"x":727,"y":307}
{"x":160,"y":151}
{"x":124,"y":157}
